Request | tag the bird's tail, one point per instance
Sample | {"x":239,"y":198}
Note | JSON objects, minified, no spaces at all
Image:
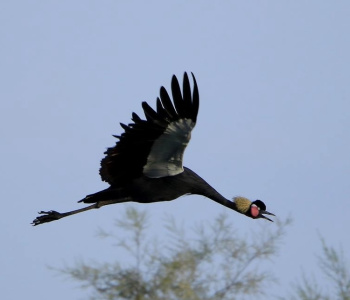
{"x":105,"y":195}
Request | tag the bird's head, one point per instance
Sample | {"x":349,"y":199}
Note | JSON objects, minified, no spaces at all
{"x":254,"y":210}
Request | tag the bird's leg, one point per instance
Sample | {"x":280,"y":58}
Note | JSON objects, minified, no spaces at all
{"x":52,"y":215}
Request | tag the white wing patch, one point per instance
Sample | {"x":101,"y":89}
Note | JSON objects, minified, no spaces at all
{"x":165,"y":157}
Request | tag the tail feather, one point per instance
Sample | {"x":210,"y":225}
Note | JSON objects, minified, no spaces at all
{"x":105,"y":195}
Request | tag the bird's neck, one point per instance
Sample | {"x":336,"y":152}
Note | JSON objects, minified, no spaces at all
{"x":203,"y":188}
{"x":217,"y":197}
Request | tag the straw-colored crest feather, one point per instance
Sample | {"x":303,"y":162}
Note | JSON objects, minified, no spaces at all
{"x":242,"y":204}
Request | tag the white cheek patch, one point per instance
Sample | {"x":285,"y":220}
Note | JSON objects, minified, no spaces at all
{"x":254,"y":211}
{"x":165,"y":157}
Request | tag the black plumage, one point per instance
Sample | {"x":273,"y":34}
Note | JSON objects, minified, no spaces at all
{"x":145,"y":165}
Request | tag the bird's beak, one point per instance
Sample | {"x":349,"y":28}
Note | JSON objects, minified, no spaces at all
{"x":264,"y":212}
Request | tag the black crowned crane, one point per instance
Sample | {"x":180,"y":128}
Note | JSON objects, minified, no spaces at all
{"x":146,"y":166}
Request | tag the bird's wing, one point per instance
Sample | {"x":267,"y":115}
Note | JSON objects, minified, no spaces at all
{"x":155,"y":146}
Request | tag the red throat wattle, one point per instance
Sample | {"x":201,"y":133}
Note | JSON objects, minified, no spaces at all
{"x":254,"y":211}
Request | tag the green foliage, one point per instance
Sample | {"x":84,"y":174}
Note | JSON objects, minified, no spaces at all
{"x":334,"y":266}
{"x":216,"y":263}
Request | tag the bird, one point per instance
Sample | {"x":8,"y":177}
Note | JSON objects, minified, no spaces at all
{"x":146,"y":163}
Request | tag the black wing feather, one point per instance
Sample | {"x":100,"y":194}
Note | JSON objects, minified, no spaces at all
{"x":195,"y":99}
{"x":150,"y":113}
{"x":187,"y":96}
{"x":167,"y":104}
{"x":136,"y":118}
{"x":179,"y":101}
{"x":161,"y":111}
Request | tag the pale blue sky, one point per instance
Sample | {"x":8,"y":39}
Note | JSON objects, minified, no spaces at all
{"x":273,"y":123}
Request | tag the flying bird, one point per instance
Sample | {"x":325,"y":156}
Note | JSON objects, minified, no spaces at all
{"x":146,"y":163}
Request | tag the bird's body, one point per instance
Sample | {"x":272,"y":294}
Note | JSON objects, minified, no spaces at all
{"x":146,"y":165}
{"x":142,"y":189}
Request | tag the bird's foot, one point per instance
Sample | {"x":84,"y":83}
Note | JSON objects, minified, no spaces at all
{"x":47,"y":216}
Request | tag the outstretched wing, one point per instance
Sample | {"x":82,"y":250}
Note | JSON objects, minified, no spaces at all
{"x":154,"y":147}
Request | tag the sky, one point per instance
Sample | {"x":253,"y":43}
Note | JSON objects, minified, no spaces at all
{"x":273,"y":124}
